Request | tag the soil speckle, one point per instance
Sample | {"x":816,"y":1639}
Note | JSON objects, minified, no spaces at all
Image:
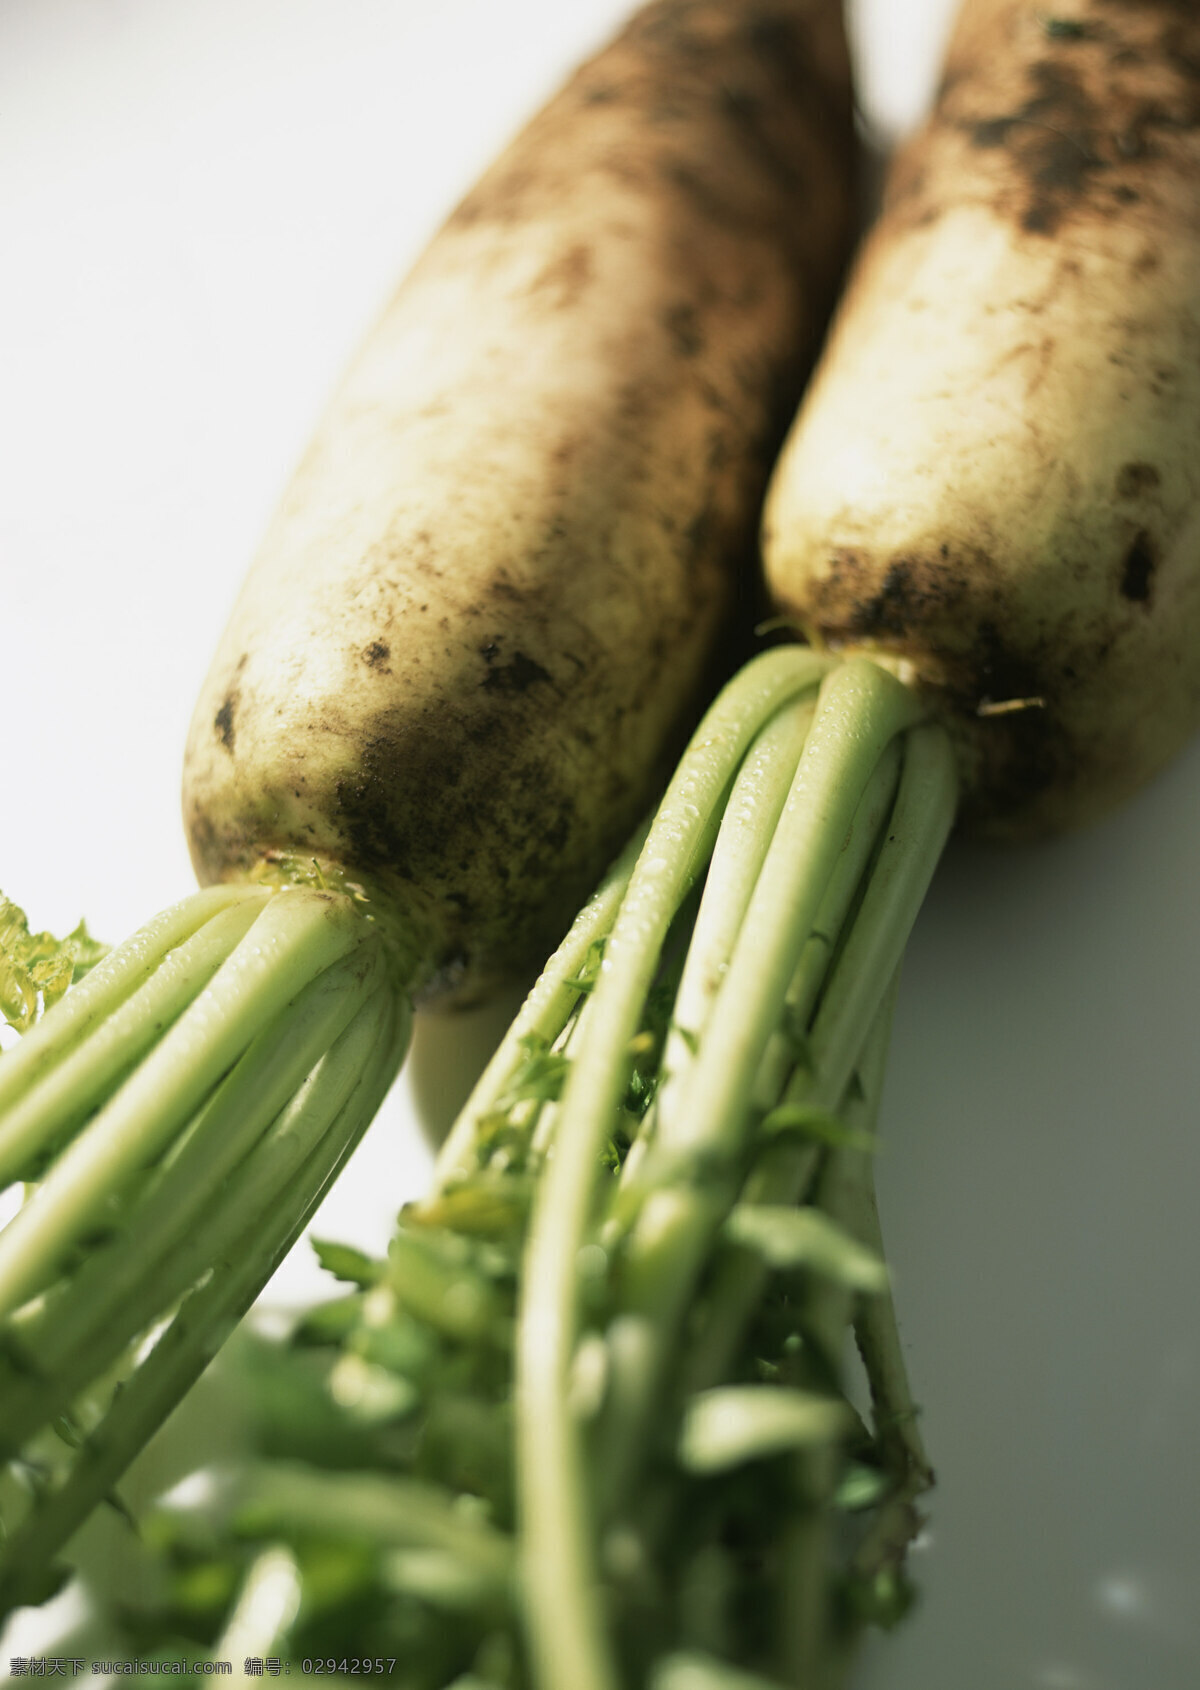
{"x":1051,"y":140}
{"x":516,"y":676}
{"x":223,"y":721}
{"x":682,"y":324}
{"x":567,"y":277}
{"x":1135,"y":479}
{"x":1137,"y":570}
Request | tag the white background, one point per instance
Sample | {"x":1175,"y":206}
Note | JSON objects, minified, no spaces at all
{"x":203,"y":203}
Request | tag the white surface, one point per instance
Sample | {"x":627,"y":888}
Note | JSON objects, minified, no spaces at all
{"x":202,"y":204}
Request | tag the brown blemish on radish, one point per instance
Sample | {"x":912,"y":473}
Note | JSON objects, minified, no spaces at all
{"x":1069,"y":132}
{"x":1137,"y":570}
{"x":1135,"y":479}
{"x":551,"y":586}
{"x":682,"y":323}
{"x":223,"y":721}
{"x":517,"y":675}
{"x":1051,"y":143}
{"x":567,"y":277}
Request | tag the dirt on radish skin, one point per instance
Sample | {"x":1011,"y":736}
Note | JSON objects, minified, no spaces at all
{"x":484,"y":614}
{"x":994,"y":477}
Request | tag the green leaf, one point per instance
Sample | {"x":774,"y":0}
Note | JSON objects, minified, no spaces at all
{"x":37,"y":968}
{"x":38,"y":1584}
{"x":817,"y":1124}
{"x":806,"y":1238}
{"x":585,"y":980}
{"x":733,"y":1424}
{"x":67,"y":1430}
{"x":344,"y":1262}
{"x":861,"y":1487}
{"x":690,"y":1039}
{"x":496,"y":1665}
{"x":437,"y":1577}
{"x":491,"y":1205}
{"x":882,"y":1599}
{"x":16,"y":1357}
{"x":371,"y":1395}
{"x":451,"y":1294}
{"x":205,"y":1587}
{"x":401,"y":1344}
{"x":328,"y":1323}
{"x":120,"y":1507}
{"x":692,"y":1670}
{"x":539,"y":1076}
{"x":287,"y":1402}
{"x":338,"y":1573}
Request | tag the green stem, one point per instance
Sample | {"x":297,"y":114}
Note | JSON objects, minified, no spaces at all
{"x":833,"y":917}
{"x":100,"y":1055}
{"x":115,"y":979}
{"x":894,"y":1409}
{"x":694,"y":1669}
{"x":866,"y":960}
{"x":805,"y":1611}
{"x":381,"y":1510}
{"x":265,"y":1608}
{"x":860,"y":709}
{"x":339,"y":1099}
{"x":541,"y":1117}
{"x":755,"y":803}
{"x":785,"y":1165}
{"x":895,"y":1413}
{"x":749,"y":821}
{"x":77,"y":1331}
{"x":568,"y":1638}
{"x":909,"y":853}
{"x":689,"y":1179}
{"x":294,"y":937}
{"x":544,"y":1014}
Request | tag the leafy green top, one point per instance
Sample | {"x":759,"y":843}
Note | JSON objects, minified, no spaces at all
{"x":37,"y":968}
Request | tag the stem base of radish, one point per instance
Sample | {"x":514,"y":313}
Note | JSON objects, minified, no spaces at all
{"x":176,"y":1118}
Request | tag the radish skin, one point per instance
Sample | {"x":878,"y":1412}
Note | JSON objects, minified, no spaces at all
{"x":486,"y":607}
{"x":993,"y":477}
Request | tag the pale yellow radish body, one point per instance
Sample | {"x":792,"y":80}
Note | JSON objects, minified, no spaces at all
{"x":483,"y":615}
{"x":995,"y":474}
